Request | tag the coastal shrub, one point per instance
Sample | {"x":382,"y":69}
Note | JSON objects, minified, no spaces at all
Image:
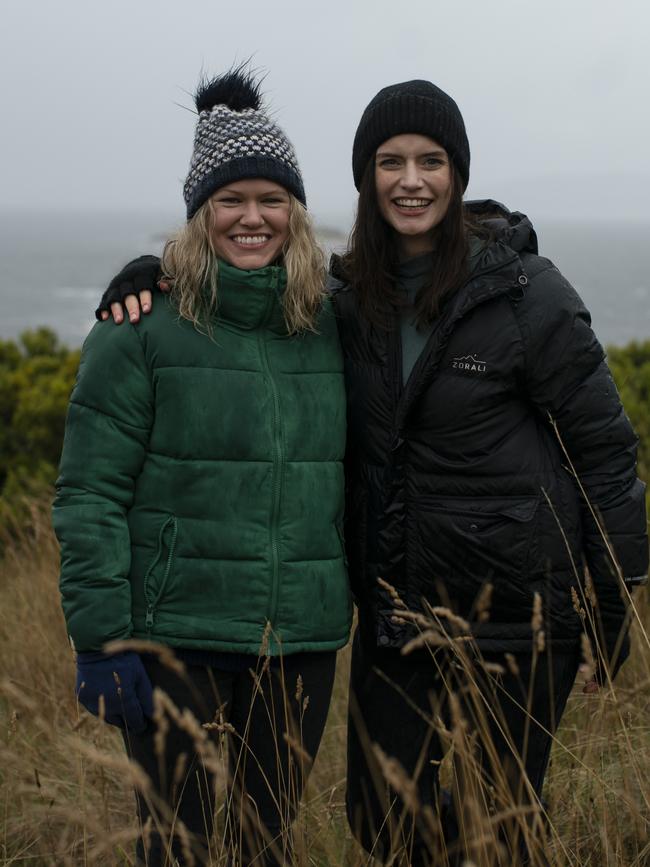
{"x":631,"y":370}
{"x":36,"y":377}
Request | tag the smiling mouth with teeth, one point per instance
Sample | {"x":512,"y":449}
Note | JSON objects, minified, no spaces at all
{"x":412,"y":203}
{"x":251,"y":240}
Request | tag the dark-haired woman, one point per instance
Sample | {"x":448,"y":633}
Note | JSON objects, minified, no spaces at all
{"x":489,"y":466}
{"x":489,"y":462}
{"x":200,"y":501}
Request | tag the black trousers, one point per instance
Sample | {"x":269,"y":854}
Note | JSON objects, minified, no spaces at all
{"x":271,"y":722}
{"x":499,"y":713}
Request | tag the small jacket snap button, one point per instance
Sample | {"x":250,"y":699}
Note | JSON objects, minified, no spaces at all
{"x":523,"y":280}
{"x":473,"y":527}
{"x":383,"y":640}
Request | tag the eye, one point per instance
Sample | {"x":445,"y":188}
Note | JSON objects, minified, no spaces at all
{"x":435,"y":161}
{"x":387,"y":162}
{"x":227,"y":200}
{"x":274,"y":200}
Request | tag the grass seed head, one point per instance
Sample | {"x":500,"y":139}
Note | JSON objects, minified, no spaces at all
{"x":440,"y":612}
{"x":587,"y":652}
{"x":589,"y":590}
{"x":512,"y":664}
{"x":537,"y":620}
{"x":577,"y":607}
{"x":392,"y":592}
{"x":484,"y":602}
{"x":395,"y":775}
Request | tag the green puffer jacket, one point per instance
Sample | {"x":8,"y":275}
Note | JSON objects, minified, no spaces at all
{"x":200,"y":494}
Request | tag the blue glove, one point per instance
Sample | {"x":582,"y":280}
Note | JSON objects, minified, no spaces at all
{"x":124,"y":683}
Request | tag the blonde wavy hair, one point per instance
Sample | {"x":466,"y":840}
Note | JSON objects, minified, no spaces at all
{"x":189,"y":264}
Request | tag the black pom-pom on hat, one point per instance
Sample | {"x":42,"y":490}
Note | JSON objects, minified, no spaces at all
{"x":235,"y":140}
{"x":236,"y":89}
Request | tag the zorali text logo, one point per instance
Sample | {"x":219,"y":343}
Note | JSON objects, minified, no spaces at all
{"x":469,"y":363}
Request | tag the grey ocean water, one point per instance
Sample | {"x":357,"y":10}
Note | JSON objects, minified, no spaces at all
{"x":55,"y":266}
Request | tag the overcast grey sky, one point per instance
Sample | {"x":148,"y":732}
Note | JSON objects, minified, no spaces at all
{"x":554,"y":94}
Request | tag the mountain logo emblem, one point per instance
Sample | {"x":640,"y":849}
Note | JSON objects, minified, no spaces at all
{"x":469,"y":363}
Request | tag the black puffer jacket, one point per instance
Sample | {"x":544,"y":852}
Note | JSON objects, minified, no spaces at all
{"x":458,"y":478}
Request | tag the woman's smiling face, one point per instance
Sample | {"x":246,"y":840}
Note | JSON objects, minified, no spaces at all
{"x":250,"y":222}
{"x":413,"y":179}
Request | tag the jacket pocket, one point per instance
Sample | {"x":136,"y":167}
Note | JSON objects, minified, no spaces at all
{"x":473,"y":538}
{"x":157,"y":575}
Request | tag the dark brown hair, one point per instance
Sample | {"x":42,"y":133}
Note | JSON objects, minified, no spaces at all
{"x":371,"y":261}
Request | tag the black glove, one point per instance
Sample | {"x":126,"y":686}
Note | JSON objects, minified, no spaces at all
{"x":141,"y":273}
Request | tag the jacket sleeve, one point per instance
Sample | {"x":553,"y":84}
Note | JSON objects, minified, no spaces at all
{"x":567,"y":378}
{"x":107,"y":431}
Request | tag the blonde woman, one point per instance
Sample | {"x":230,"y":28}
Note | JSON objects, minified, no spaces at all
{"x":200,"y":500}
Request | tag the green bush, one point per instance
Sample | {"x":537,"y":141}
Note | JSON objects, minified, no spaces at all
{"x":631,"y":370}
{"x":37,"y":374}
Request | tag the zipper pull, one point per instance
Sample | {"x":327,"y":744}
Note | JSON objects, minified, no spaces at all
{"x":148,"y":621}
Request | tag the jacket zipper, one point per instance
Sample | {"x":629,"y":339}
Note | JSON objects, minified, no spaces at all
{"x":152,"y":602}
{"x":278,"y":464}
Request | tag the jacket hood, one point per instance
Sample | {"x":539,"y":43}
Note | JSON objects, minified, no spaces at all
{"x":511,"y":227}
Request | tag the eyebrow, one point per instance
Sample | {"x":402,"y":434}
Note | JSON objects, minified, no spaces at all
{"x":435,"y":153}
{"x":278,"y":192}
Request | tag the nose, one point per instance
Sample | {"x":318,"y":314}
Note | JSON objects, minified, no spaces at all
{"x":252,"y":216}
{"x":411,"y":179}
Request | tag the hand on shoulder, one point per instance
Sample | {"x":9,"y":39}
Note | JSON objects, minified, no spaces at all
{"x":131,"y":290}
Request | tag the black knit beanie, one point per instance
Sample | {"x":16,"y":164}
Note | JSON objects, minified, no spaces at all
{"x":235,"y":139}
{"x":411,"y":107}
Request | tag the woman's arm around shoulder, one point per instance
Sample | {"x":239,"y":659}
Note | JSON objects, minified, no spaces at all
{"x":131,"y":290}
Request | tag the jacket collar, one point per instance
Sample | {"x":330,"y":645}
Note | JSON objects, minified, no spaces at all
{"x":495,"y":269}
{"x":251,"y":299}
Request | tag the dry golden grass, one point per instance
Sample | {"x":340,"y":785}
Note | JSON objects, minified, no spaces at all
{"x":65,"y":784}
